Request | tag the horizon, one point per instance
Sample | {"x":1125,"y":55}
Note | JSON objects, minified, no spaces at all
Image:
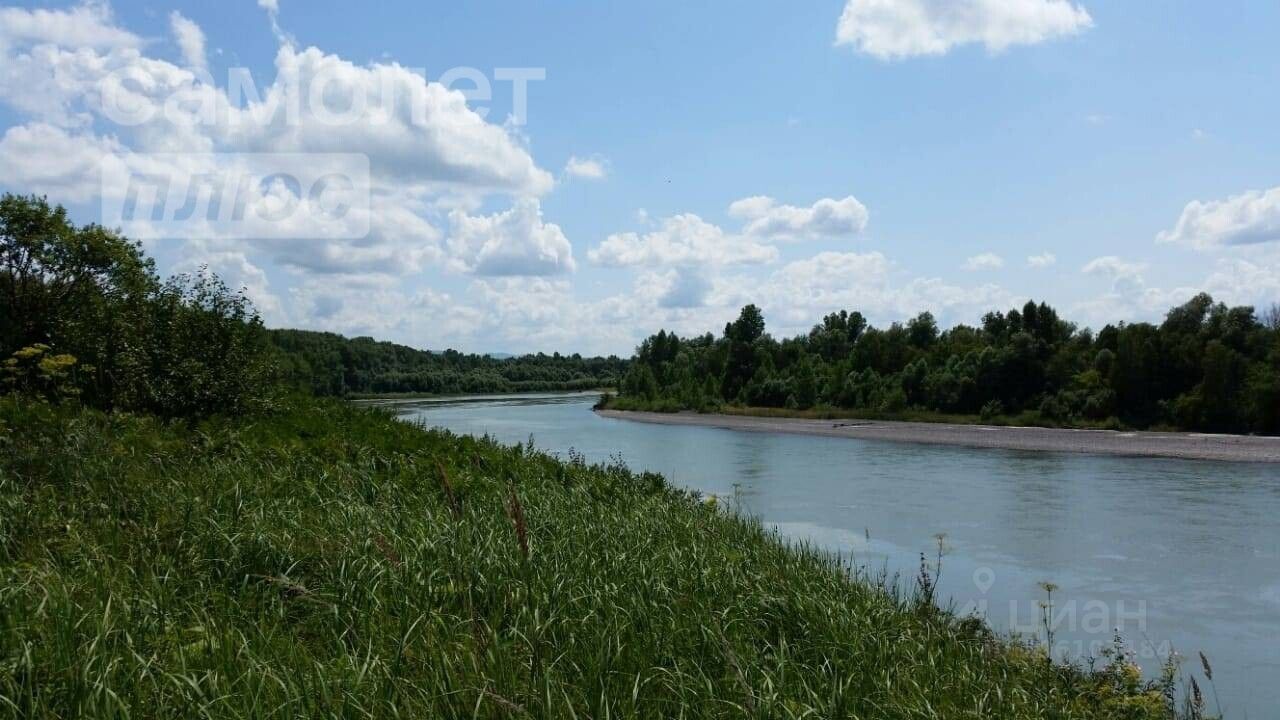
{"x":575,"y":194}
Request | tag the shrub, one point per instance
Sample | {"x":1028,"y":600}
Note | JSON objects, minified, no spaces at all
{"x":992,"y":410}
{"x":86,"y":315}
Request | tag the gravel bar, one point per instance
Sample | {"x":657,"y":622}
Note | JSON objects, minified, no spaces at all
{"x":1186,"y":446}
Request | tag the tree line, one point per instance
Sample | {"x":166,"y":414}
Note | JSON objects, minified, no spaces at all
{"x":329,"y":364}
{"x":85,"y":316}
{"x":1206,"y":367}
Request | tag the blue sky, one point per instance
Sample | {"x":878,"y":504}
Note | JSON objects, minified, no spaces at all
{"x":917,"y":154}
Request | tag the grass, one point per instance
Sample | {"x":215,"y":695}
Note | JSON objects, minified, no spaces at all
{"x":1027,"y":418}
{"x":330,"y":561}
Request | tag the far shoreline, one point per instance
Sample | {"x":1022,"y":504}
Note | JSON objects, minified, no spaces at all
{"x":1173,"y":445}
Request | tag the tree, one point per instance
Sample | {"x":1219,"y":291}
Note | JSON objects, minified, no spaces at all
{"x":1219,"y":392}
{"x":186,"y":348}
{"x":1206,"y":366}
{"x":1271,"y":317}
{"x":748,"y":328}
{"x":742,"y":335}
{"x":923,"y":331}
{"x":834,"y":338}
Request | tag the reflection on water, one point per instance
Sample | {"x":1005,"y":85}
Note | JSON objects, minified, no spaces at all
{"x":1177,"y":554}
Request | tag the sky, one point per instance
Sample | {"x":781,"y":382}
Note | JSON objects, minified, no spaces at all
{"x":574,"y":176}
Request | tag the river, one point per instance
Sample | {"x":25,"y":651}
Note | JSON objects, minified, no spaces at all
{"x":1176,"y":554}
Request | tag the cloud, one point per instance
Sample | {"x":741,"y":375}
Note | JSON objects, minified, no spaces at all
{"x":894,"y":29}
{"x":695,"y":300}
{"x":1129,"y":298}
{"x":411,"y":130}
{"x":49,"y":160}
{"x":190,"y":39}
{"x":765,"y":218}
{"x":87,"y":25}
{"x":593,"y":168}
{"x":1249,"y":218}
{"x":48,"y":58}
{"x":688,"y":240}
{"x":985,"y":261}
{"x":515,"y":242}
{"x":427,"y":150}
{"x":1114,"y":267}
{"x":1043,"y":260}
{"x":799,"y":293}
{"x":1127,"y":281}
{"x":682,"y":287}
{"x":1243,"y":282}
{"x":681,"y":240}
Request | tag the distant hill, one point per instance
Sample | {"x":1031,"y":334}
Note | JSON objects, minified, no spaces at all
{"x":330,"y":364}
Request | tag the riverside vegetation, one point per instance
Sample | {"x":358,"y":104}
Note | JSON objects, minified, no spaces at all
{"x":329,"y":364}
{"x":1206,"y":367}
{"x":176,"y":543}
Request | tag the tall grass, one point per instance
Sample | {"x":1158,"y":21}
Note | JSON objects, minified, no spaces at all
{"x":333,"y":562}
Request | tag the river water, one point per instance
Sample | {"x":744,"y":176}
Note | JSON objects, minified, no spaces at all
{"x":1178,"y":555}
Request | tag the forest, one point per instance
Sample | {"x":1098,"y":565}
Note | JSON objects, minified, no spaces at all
{"x":1206,"y":366}
{"x":87,"y":315}
{"x":332,"y":365}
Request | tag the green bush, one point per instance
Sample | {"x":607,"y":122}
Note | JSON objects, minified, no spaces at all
{"x":992,"y":410}
{"x":90,"y":301}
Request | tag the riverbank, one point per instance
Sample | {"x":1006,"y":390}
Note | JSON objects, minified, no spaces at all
{"x":409,"y":397}
{"x":328,"y":560}
{"x":1181,"y":445}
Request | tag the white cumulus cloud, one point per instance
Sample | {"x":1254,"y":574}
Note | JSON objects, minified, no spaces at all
{"x":47,"y":159}
{"x":984,"y":261}
{"x":892,"y":29}
{"x":1043,"y":260}
{"x":190,"y":39}
{"x":682,"y":287}
{"x":680,"y":240}
{"x":1246,"y":219}
{"x":1112,"y":266}
{"x":800,"y":292}
{"x":592,"y":168}
{"x":426,"y":148}
{"x":514,"y":242}
{"x":87,"y":25}
{"x":764,"y":217}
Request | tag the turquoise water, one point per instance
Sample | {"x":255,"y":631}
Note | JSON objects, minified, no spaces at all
{"x":1181,"y":555}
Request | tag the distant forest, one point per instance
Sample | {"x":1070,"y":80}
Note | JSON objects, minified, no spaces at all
{"x":330,"y":364}
{"x":1205,"y":367}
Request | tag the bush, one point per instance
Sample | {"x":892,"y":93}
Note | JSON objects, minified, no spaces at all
{"x":992,"y":410}
{"x":87,"y":316}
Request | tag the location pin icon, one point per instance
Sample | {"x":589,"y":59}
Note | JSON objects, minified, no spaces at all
{"x":984,"y":578}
